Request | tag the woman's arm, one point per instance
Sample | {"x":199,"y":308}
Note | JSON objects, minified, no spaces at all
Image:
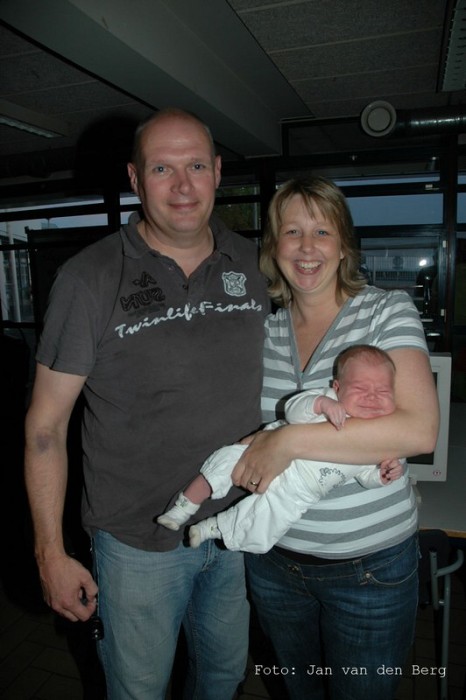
{"x":412,"y":429}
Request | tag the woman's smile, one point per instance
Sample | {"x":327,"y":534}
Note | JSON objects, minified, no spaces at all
{"x":308,"y":249}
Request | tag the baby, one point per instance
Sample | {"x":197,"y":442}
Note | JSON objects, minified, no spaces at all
{"x":363,"y":388}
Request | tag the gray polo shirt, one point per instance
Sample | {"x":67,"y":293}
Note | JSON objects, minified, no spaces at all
{"x":173,"y":367}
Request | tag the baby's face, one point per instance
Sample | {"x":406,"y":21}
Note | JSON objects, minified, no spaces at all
{"x":366,"y":390}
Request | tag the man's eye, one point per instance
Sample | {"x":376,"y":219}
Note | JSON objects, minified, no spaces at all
{"x":159,"y":169}
{"x":198,"y":166}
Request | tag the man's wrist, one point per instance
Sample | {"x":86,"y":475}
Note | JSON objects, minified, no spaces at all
{"x":46,"y":553}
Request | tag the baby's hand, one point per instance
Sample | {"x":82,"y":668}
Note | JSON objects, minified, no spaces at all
{"x":390,"y":470}
{"x":333,"y":411}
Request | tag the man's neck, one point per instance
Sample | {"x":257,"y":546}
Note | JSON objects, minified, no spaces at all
{"x":188,"y":251}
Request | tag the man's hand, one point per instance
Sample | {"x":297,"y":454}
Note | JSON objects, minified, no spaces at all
{"x":68,"y":587}
{"x":265,"y":458}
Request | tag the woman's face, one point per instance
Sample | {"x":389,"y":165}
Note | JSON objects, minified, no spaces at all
{"x":308,"y":251}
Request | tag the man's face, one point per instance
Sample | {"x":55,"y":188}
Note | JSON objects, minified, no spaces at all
{"x":177,"y":179}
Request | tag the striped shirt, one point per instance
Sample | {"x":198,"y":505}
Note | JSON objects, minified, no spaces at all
{"x":353,"y":521}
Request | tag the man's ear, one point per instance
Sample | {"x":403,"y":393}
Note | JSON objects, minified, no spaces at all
{"x":133,"y":177}
{"x":218,"y":170}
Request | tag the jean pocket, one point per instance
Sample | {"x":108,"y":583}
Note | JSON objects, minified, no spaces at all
{"x":396,"y":569}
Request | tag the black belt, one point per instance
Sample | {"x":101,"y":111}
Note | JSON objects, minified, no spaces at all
{"x":309,"y":559}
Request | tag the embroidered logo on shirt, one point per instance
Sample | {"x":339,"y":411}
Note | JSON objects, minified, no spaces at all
{"x":145,"y":296}
{"x":234,"y":283}
{"x":145,"y":280}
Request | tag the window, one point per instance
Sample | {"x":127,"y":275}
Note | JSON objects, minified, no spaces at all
{"x":239,"y":208}
{"x":405,"y":262}
{"x":15,"y":264}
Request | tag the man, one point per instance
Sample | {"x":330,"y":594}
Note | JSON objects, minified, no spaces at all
{"x":156,"y":324}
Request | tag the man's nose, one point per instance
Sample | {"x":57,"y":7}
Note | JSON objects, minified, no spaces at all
{"x":182,"y":181}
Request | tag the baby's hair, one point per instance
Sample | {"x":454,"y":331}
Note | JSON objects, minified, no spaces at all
{"x":372,"y":355}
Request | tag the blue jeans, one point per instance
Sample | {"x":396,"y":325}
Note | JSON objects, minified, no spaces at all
{"x":340,"y":630}
{"x":145,"y":597}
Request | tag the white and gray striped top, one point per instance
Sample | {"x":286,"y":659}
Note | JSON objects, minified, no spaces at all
{"x":353,"y":521}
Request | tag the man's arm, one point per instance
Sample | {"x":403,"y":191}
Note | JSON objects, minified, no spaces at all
{"x":65,"y":582}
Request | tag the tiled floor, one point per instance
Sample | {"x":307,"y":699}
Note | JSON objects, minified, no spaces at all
{"x":44,"y":658}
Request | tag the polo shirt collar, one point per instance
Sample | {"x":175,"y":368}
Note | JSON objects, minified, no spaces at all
{"x":134,"y":246}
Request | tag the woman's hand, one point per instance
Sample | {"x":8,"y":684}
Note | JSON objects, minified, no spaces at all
{"x":266,"y":457}
{"x":390,"y":470}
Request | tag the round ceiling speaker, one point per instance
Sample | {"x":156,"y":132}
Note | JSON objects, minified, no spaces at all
{"x":378,"y":118}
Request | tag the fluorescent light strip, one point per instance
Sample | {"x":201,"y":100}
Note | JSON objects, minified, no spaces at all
{"x":454,"y":77}
{"x":28,"y":127}
{"x":19,"y":117}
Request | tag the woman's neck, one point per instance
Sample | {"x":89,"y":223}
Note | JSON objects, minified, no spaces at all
{"x":311,"y":321}
{"x":310,"y":311}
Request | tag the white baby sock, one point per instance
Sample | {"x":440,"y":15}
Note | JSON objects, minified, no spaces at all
{"x":204,"y":530}
{"x":179,"y":514}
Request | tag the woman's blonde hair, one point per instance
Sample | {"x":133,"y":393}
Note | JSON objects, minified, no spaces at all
{"x":324,"y":194}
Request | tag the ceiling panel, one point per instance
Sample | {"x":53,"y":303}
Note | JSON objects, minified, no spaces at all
{"x":245,"y":66}
{"x":294,"y":24}
{"x":361,"y":57}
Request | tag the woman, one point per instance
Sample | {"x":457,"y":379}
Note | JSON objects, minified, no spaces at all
{"x":338,"y":595}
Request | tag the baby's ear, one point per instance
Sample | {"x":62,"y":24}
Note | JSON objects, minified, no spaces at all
{"x":336,"y":385}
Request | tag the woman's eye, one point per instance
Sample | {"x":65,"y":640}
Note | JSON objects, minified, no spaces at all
{"x":322,"y":232}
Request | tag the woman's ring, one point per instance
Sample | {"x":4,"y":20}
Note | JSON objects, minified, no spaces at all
{"x":254,"y":483}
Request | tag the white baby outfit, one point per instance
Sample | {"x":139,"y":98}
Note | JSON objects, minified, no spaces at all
{"x":258,"y":521}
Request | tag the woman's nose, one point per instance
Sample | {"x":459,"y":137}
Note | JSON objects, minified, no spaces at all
{"x":307,"y":242}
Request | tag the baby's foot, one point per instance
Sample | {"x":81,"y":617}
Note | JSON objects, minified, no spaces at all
{"x":204,"y":530}
{"x":179,"y":514}
{"x":169,"y":522}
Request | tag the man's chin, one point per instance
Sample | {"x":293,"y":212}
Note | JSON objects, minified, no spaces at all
{"x":190,"y":223}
